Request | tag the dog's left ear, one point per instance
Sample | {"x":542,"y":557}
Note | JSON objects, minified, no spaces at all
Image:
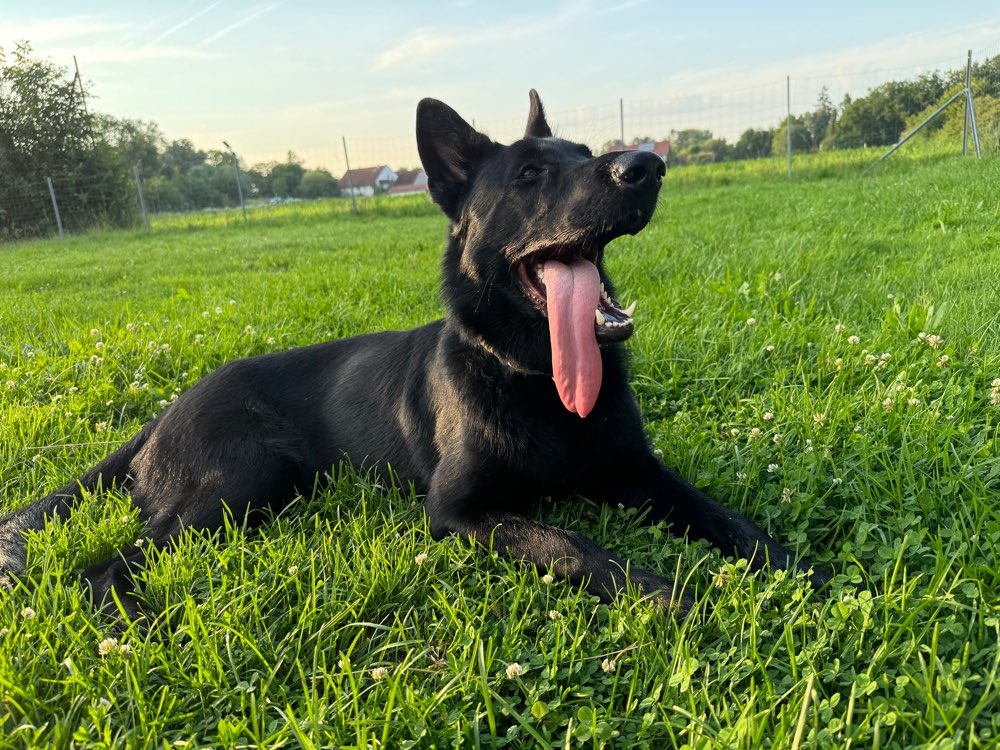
{"x":450,"y":150}
{"x":537,"y":126}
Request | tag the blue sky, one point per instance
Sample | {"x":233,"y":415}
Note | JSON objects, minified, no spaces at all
{"x":299,"y":74}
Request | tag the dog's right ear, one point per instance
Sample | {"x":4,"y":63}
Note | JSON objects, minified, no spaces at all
{"x":450,"y":149}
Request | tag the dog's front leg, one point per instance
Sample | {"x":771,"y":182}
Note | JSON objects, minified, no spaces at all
{"x":665,"y":496}
{"x":466,"y":500}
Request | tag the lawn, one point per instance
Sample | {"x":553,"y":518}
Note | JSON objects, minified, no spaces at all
{"x":822,"y":353}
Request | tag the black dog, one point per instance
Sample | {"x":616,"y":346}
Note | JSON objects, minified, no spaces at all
{"x":518,"y":394}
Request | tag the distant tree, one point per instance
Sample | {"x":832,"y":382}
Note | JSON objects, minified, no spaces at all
{"x":180,"y":157}
{"x":317,"y":183}
{"x":801,"y":139}
{"x":685,"y":140}
{"x":138,"y":142}
{"x":753,"y":144}
{"x":615,"y":144}
{"x":820,"y":120}
{"x":285,"y":178}
{"x":47,"y":131}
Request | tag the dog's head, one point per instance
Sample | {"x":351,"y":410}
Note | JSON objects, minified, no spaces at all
{"x":523,"y":273}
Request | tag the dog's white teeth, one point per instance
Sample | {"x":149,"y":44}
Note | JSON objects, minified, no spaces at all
{"x":600,"y":317}
{"x":630,"y":309}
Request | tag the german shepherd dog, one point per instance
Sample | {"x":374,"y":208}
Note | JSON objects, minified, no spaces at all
{"x":519,"y":393}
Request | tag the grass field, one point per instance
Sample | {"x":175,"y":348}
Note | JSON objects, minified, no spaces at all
{"x":823,"y":354}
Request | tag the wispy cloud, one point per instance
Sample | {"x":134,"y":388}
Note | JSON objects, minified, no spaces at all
{"x":56,"y":29}
{"x":423,"y":46}
{"x":253,"y":15}
{"x":185,"y":22}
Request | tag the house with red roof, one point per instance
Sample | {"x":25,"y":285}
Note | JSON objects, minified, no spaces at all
{"x":367,"y":181}
{"x":409,"y":181}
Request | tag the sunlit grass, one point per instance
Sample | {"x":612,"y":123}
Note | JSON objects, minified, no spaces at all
{"x":780,"y":365}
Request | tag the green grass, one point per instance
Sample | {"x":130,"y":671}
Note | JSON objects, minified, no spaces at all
{"x":878,"y":457}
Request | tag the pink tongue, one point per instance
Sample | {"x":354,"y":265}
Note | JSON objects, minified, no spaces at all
{"x":572,"y":292}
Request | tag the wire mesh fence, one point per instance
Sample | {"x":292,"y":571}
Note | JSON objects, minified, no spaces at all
{"x":753,"y":122}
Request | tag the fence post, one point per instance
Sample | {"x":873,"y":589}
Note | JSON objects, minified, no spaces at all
{"x":968,"y":105}
{"x":788,"y":120}
{"x":55,"y":207}
{"x":621,"y":117}
{"x":142,"y":200}
{"x":239,"y":187}
{"x":350,"y":177}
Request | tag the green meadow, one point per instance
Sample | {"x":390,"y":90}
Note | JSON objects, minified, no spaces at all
{"x":821,"y":353}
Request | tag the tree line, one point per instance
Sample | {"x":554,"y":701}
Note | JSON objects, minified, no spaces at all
{"x":879,"y":118}
{"x":47,"y":129}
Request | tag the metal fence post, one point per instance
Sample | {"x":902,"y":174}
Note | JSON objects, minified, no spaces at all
{"x":239,"y":187}
{"x":621,"y":116}
{"x":788,"y":120}
{"x":55,"y":207}
{"x":142,"y":200}
{"x":350,"y":177}
{"x":968,"y":105}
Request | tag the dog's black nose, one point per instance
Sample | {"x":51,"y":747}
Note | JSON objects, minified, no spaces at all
{"x":638,"y":169}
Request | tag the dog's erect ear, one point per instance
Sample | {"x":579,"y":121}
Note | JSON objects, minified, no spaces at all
{"x":450,"y":150}
{"x":536,"y":118}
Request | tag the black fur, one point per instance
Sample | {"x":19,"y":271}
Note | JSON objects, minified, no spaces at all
{"x":464,"y":408}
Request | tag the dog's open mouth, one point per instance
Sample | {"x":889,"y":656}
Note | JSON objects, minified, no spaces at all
{"x":612,"y":322}
{"x":565,"y":286}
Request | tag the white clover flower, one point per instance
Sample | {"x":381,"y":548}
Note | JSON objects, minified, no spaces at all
{"x":232,"y":302}
{"x":819,"y":419}
{"x":106,"y":646}
{"x":129,"y":326}
{"x":857,"y":428}
{"x":751,"y":321}
{"x":163,"y":402}
{"x":380,"y":673}
{"x":943,"y":360}
{"x":772,"y":468}
{"x":839,"y":363}
{"x":421,"y":558}
{"x":786,"y":495}
{"x":870,"y":359}
{"x":293,"y":569}
{"x":28,"y":613}
{"x":270,"y":340}
{"x":734,"y":432}
{"x":887,"y":404}
{"x":768,"y":416}
{"x":36,"y":458}
{"x":914,"y":401}
{"x":777,"y":438}
{"x":934,"y":341}
{"x":165,"y":347}
{"x":514,"y":671}
{"x":248,"y":329}
{"x":770,"y":347}
{"x":101,"y":427}
{"x":837,"y":481}
{"x":218,"y":311}
{"x":809,"y":446}
{"x":777,"y":276}
{"x":755,"y":433}
{"x":548,"y":580}
{"x":94,"y":332}
{"x":555,"y":614}
{"x":840,"y":328}
{"x":206,"y":314}
{"x":609,"y":665}
{"x":854,"y":340}
{"x":99,"y":345}
{"x":344,"y":663}
{"x":740,"y":476}
{"x":10,"y":385}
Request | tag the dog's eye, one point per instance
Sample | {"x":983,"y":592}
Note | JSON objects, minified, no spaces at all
{"x":529,"y":172}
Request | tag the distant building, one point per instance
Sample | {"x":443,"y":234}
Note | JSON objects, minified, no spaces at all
{"x":367,"y":181}
{"x":409,"y":181}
